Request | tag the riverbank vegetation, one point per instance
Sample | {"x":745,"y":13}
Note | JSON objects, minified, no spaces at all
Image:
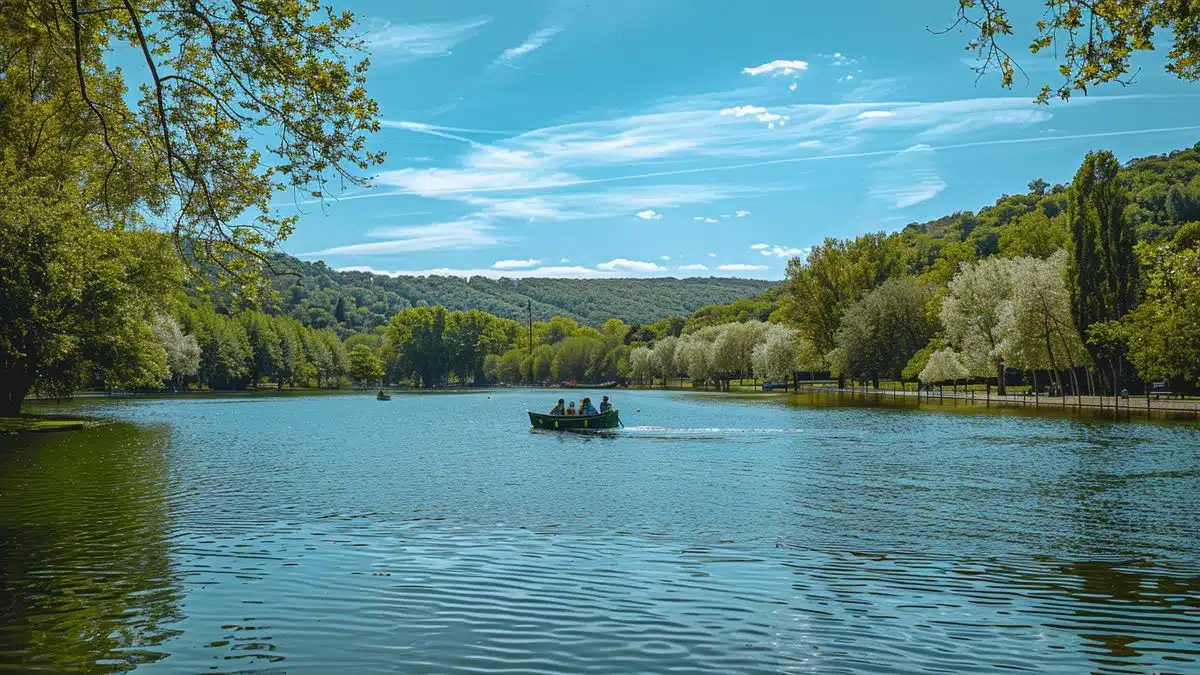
{"x":138,"y":245}
{"x":1090,"y":287}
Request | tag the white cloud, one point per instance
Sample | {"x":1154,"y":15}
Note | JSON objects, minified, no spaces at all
{"x":550,"y":272}
{"x":792,"y":87}
{"x":776,"y":67}
{"x":740,"y":213}
{"x":564,"y":260}
{"x":743,"y":111}
{"x":408,"y":42}
{"x":712,"y":255}
{"x":692,"y":268}
{"x":838,"y":59}
{"x":535,"y":41}
{"x":875,"y":114}
{"x":459,"y":234}
{"x":515,"y":264}
{"x":705,"y":219}
{"x":665,"y":257}
{"x":776,"y":251}
{"x":739,"y":267}
{"x":624,"y":265}
{"x":649,"y":214}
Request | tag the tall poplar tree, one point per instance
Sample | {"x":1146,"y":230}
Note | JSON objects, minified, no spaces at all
{"x":1103,"y":269}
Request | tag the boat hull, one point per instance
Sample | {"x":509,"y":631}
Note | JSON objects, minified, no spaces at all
{"x":608,"y":420}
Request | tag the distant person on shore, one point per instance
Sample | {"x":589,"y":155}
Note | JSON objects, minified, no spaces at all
{"x":587,"y":408}
{"x":559,"y":409}
{"x":571,"y":408}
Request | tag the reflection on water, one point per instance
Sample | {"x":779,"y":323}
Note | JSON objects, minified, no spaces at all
{"x":439,"y":534}
{"x":85,"y":571}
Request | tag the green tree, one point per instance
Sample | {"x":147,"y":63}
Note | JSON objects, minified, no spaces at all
{"x":1102,"y":270}
{"x":418,"y":336}
{"x":266,"y":360}
{"x":835,"y":275}
{"x":1163,"y":332}
{"x":365,"y":366}
{"x":471,"y":336}
{"x":339,"y":310}
{"x":883,"y":330}
{"x":213,"y":75}
{"x":1034,"y":234}
{"x":1092,"y":41}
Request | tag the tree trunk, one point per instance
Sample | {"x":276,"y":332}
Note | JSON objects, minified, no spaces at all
{"x":13,"y":391}
{"x":1001,"y":389}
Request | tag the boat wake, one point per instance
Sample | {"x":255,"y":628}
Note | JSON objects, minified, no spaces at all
{"x":709,"y":430}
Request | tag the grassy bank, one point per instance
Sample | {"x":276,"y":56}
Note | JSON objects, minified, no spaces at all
{"x":35,"y":424}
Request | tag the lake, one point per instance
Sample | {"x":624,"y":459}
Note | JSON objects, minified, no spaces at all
{"x":440,"y":534}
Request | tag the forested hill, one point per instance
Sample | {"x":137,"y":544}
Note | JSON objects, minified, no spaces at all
{"x":319,"y":296}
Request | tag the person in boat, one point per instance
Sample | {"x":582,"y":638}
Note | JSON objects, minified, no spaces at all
{"x":560,"y":409}
{"x":571,"y":408}
{"x":587,"y":408}
{"x":605,"y":406}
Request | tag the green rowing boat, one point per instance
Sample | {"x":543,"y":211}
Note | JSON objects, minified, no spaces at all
{"x":608,"y":420}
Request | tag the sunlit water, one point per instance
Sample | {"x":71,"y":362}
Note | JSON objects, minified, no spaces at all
{"x":439,"y":534}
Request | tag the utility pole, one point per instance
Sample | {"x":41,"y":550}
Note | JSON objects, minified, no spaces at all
{"x":531,"y":327}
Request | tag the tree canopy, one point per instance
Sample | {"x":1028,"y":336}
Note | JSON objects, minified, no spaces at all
{"x":1093,"y":41}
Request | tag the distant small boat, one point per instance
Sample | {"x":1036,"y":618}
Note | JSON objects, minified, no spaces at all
{"x":607,"y":420}
{"x":382,"y":397}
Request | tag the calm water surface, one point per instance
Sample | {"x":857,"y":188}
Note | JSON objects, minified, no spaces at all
{"x":439,"y":534}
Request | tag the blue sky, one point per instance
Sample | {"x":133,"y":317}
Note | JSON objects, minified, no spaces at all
{"x":695,"y":138}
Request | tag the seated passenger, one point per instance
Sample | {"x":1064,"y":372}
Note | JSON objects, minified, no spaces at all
{"x":559,"y":409}
{"x":587,"y":408}
{"x":571,"y":408}
{"x":605,"y":406}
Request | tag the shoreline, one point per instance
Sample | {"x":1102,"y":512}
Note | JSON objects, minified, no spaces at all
{"x":1135,"y":407}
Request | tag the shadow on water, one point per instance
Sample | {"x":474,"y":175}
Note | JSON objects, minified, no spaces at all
{"x":85,"y":579}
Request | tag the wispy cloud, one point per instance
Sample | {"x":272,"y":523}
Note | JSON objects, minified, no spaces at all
{"x":515,"y":264}
{"x":741,"y":267}
{"x":389,"y":42}
{"x":776,"y":67}
{"x":740,"y":213}
{"x":705,"y":219}
{"x":535,"y":41}
{"x":692,"y":268}
{"x":907,"y":178}
{"x":649,"y":214}
{"x":459,"y":234}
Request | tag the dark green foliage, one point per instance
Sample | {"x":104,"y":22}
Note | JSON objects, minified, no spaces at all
{"x":1103,"y":270}
{"x":319,"y":296}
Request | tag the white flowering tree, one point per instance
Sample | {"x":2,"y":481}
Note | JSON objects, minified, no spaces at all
{"x":1037,"y":323}
{"x":733,"y":349}
{"x":776,"y":357}
{"x":641,"y":363}
{"x":973,"y":314}
{"x":944,"y":365}
{"x":183,"y":351}
{"x":665,"y":358}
